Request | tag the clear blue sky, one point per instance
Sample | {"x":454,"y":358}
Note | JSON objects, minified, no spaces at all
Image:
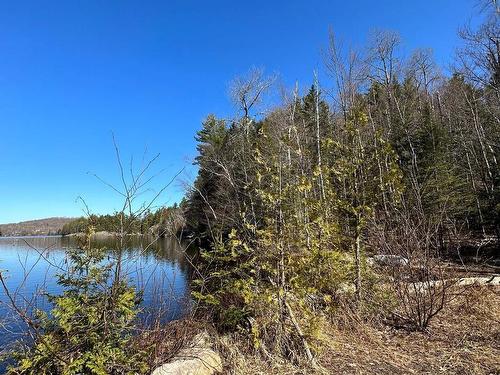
{"x":73,"y":71}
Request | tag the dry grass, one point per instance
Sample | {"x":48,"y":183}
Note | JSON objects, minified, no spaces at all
{"x":162,"y":343}
{"x":463,"y":339}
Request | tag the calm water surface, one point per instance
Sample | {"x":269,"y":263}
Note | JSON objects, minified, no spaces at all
{"x":30,"y":266}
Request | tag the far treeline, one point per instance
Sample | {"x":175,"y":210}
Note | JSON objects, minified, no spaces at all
{"x":387,"y":155}
{"x":164,"y":221}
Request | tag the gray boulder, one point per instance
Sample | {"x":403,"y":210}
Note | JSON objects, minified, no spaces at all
{"x":388,"y":260}
{"x":197,"y":359}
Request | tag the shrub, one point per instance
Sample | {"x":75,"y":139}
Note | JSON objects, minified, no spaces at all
{"x":89,"y":329}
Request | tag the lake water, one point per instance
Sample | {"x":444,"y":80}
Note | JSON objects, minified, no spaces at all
{"x":29,"y":266}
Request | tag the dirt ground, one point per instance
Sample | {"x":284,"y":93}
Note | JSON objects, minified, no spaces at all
{"x":463,"y":339}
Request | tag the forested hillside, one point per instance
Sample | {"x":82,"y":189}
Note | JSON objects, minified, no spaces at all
{"x":388,"y":156}
{"x":39,"y":227}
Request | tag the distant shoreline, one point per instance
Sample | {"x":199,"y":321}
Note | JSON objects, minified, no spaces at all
{"x":32,"y":236}
{"x":50,"y":226}
{"x":101,"y":234}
